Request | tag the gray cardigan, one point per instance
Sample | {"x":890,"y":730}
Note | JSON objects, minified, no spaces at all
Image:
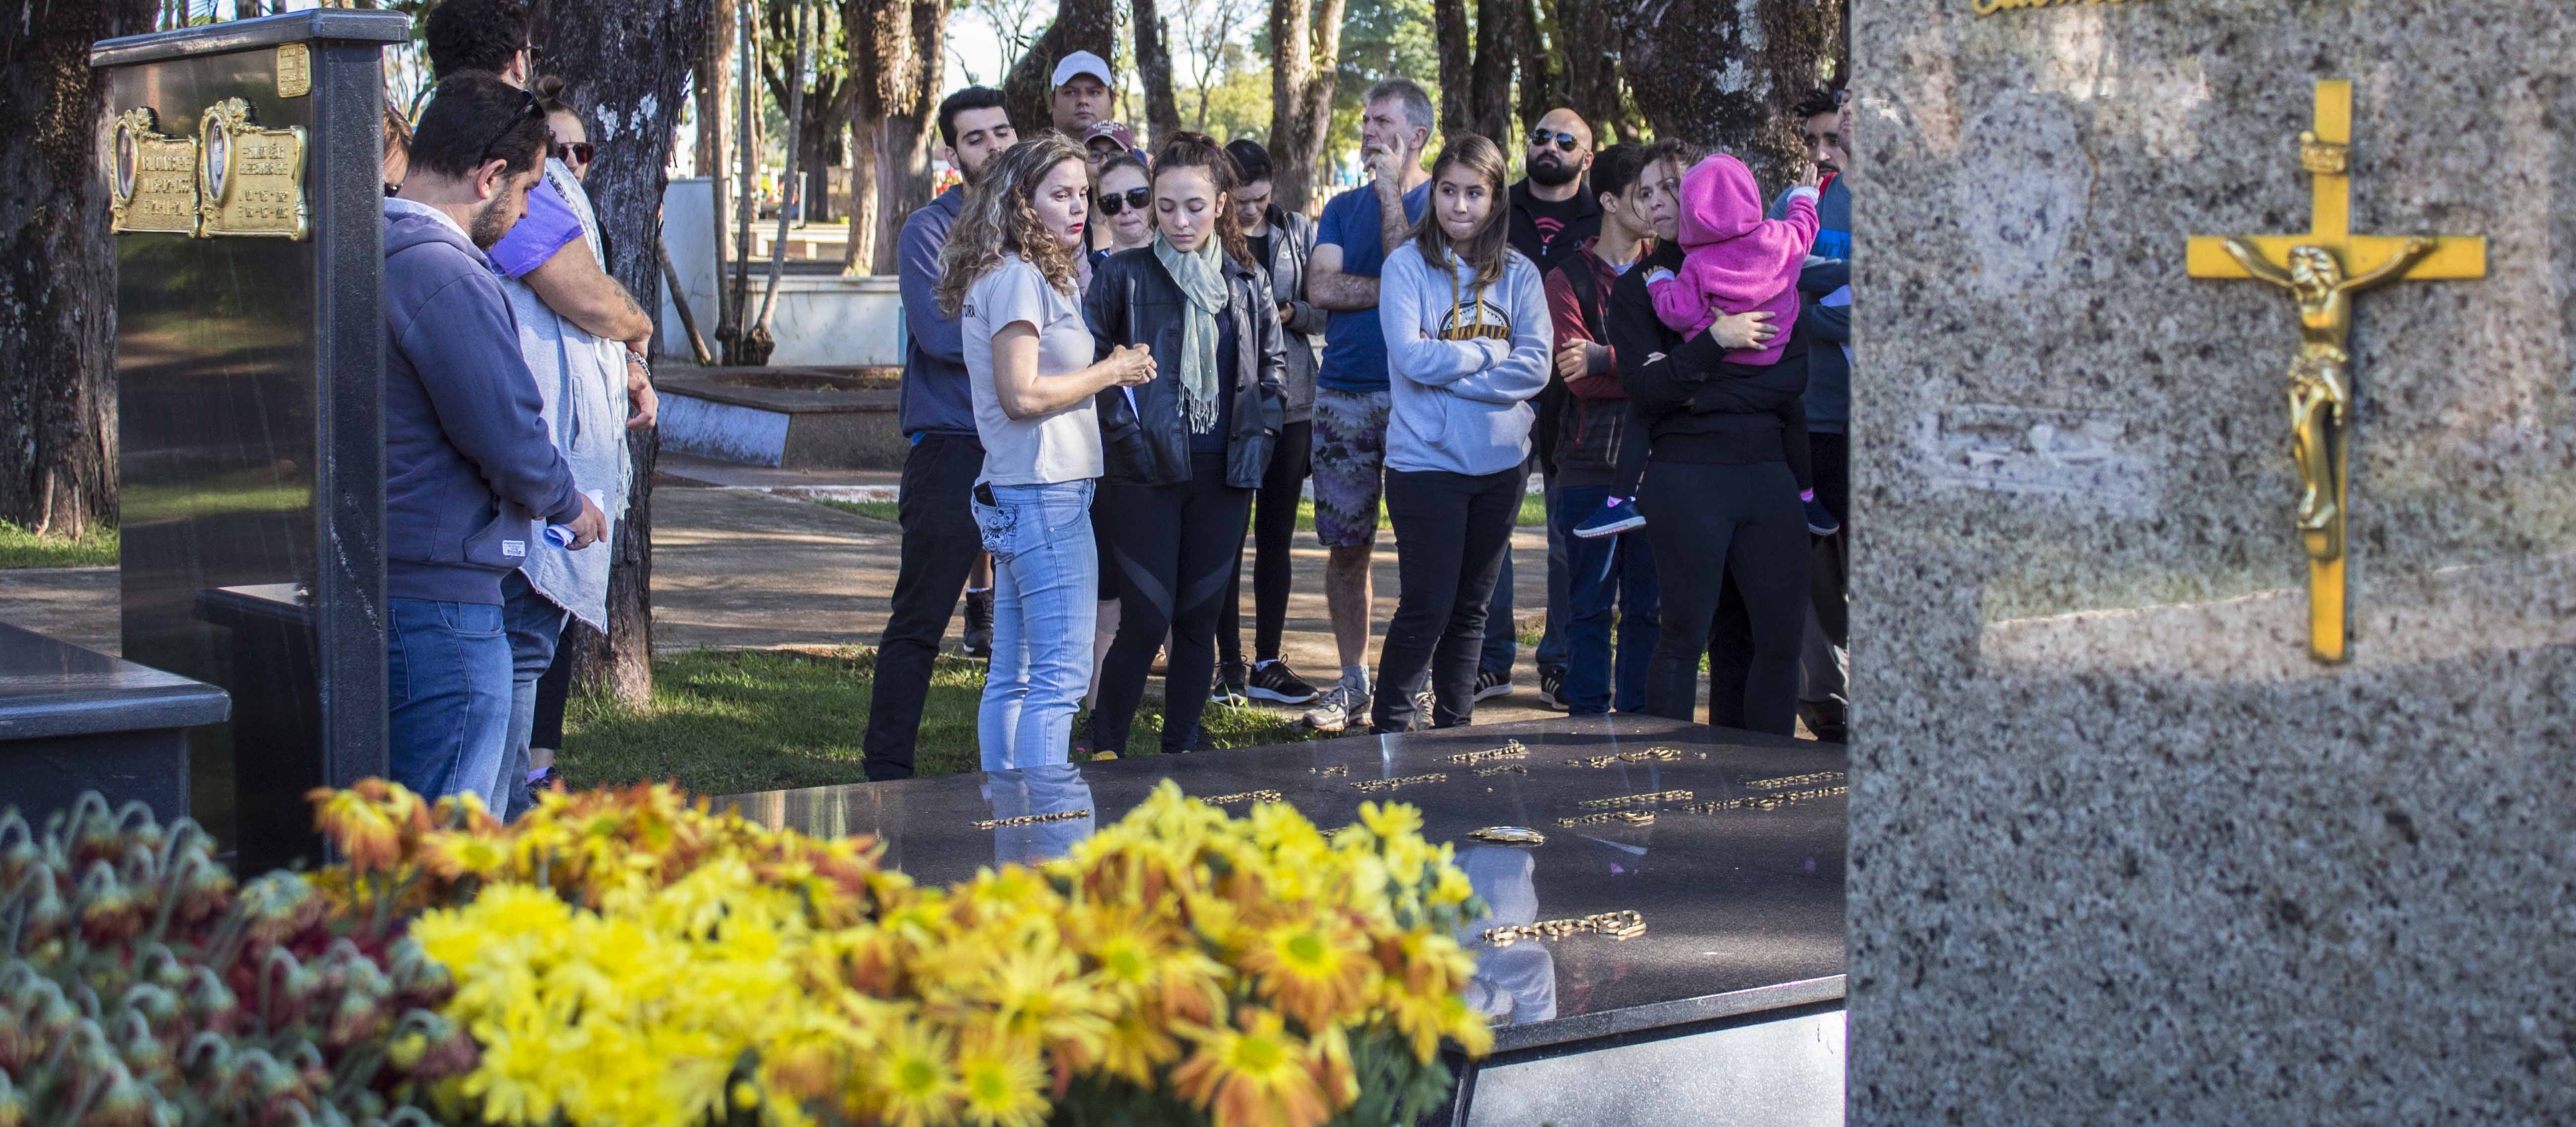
{"x":1292,"y":244}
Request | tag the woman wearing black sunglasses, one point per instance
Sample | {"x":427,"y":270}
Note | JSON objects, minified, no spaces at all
{"x":1123,"y":200}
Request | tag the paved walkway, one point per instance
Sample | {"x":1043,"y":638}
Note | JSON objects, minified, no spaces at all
{"x":738,"y":567}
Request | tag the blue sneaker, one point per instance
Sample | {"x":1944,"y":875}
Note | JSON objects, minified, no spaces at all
{"x":1819,"y":521}
{"x":1615,"y":517}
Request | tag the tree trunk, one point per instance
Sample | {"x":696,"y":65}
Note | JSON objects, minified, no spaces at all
{"x":626,"y":60}
{"x":1490,"y":111}
{"x":1154,"y":68}
{"x":1591,"y":53}
{"x":714,"y":91}
{"x":906,"y":128}
{"x":58,"y":266}
{"x":1720,"y":78}
{"x":800,"y":20}
{"x":1450,"y":39}
{"x":1541,"y":86}
{"x":1306,"y":37}
{"x":1080,"y":25}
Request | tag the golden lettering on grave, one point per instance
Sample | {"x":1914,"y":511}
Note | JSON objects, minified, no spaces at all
{"x":2322,"y":270}
{"x":152,"y":177}
{"x":294,"y":70}
{"x":253,"y":177}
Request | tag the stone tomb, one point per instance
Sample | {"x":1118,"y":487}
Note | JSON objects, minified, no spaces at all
{"x":2146,"y":828}
{"x":245,"y":161}
{"x":75,"y":720}
{"x":1726,"y":1010}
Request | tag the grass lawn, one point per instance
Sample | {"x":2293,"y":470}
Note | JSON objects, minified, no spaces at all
{"x":1533,"y":511}
{"x":729,"y":721}
{"x":873,"y":510}
{"x":21,"y":548}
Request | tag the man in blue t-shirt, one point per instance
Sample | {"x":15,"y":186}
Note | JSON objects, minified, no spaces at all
{"x":1351,"y":241}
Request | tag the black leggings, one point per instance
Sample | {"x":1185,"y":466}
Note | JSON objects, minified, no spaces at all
{"x":1451,"y":531}
{"x":1274,"y":524}
{"x":1793,"y":448}
{"x":1709,"y":524}
{"x":1174,"y":547}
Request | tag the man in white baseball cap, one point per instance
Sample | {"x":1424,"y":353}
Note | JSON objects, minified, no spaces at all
{"x":1080,"y":93}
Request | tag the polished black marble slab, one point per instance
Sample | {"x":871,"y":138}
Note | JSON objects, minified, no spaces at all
{"x":249,"y":398}
{"x":1743,"y":907}
{"x":74,"y":719}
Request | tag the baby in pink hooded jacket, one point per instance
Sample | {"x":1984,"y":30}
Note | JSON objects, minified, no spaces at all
{"x":1733,"y":259}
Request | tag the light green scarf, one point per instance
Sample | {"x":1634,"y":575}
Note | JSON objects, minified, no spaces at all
{"x":1201,"y":277}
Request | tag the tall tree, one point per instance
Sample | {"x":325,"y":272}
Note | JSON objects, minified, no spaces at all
{"x":1589,"y":49}
{"x":897,"y":55}
{"x":1080,"y":25}
{"x":829,"y":98}
{"x":712,"y":88}
{"x":1154,"y":69}
{"x":57,"y":265}
{"x":626,"y":61}
{"x":1771,"y":51}
{"x":1207,"y":28}
{"x":1476,"y":62}
{"x":1305,"y":69}
{"x":1542,"y":86}
{"x":1453,"y":35}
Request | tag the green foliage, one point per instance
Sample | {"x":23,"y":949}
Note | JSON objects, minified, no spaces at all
{"x":22,"y":548}
{"x":138,"y":985}
{"x":731,"y":721}
{"x":873,"y":510}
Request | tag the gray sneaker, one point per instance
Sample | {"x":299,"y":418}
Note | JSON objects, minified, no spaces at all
{"x":1337,"y":707}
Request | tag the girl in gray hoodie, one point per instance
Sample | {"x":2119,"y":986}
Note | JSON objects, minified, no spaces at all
{"x":1467,"y":344}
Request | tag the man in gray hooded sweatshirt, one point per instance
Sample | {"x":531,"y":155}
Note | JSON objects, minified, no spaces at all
{"x":471,"y":473}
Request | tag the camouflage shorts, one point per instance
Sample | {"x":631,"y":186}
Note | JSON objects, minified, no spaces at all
{"x":1350,"y":465}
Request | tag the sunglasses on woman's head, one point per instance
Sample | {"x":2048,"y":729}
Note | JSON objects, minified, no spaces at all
{"x":1137,"y":198}
{"x":575,"y":152}
{"x":1565,"y":141}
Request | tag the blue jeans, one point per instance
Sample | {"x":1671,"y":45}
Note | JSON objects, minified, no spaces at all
{"x":1609,"y":578}
{"x":1046,"y":585}
{"x":447,"y":674}
{"x":535,"y":624}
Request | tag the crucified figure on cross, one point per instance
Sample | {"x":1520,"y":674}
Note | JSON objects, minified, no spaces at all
{"x":2320,"y":379}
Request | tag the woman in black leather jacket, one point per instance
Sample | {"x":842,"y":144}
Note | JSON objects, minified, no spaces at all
{"x":1186,"y":451}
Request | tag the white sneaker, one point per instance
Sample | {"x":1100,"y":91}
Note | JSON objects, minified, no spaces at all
{"x":1337,"y":707}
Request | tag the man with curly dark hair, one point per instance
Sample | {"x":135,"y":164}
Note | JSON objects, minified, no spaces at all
{"x":484,"y":35}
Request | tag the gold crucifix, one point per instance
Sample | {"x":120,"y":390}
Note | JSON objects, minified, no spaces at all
{"x":2322,"y":270}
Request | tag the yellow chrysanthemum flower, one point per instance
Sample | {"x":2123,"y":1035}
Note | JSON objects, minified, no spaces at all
{"x":1255,"y":1075}
{"x":1313,"y":970}
{"x":914,"y":1078}
{"x":1002,"y":1083}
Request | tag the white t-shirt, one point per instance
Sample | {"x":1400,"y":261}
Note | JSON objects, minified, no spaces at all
{"x":1057,"y":447}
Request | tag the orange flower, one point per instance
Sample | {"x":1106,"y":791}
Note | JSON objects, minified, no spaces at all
{"x":364,"y":831}
{"x":1259,"y":1075}
{"x":1314,"y":970}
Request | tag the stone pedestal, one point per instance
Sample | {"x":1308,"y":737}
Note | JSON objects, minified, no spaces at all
{"x":2121,"y":850}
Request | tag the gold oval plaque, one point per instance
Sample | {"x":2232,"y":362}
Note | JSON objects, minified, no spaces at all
{"x":153,"y":176}
{"x":253,"y":178}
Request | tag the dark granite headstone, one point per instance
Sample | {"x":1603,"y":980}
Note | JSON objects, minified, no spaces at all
{"x":74,"y":720}
{"x":246,"y":165}
{"x":1727,"y":1010}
